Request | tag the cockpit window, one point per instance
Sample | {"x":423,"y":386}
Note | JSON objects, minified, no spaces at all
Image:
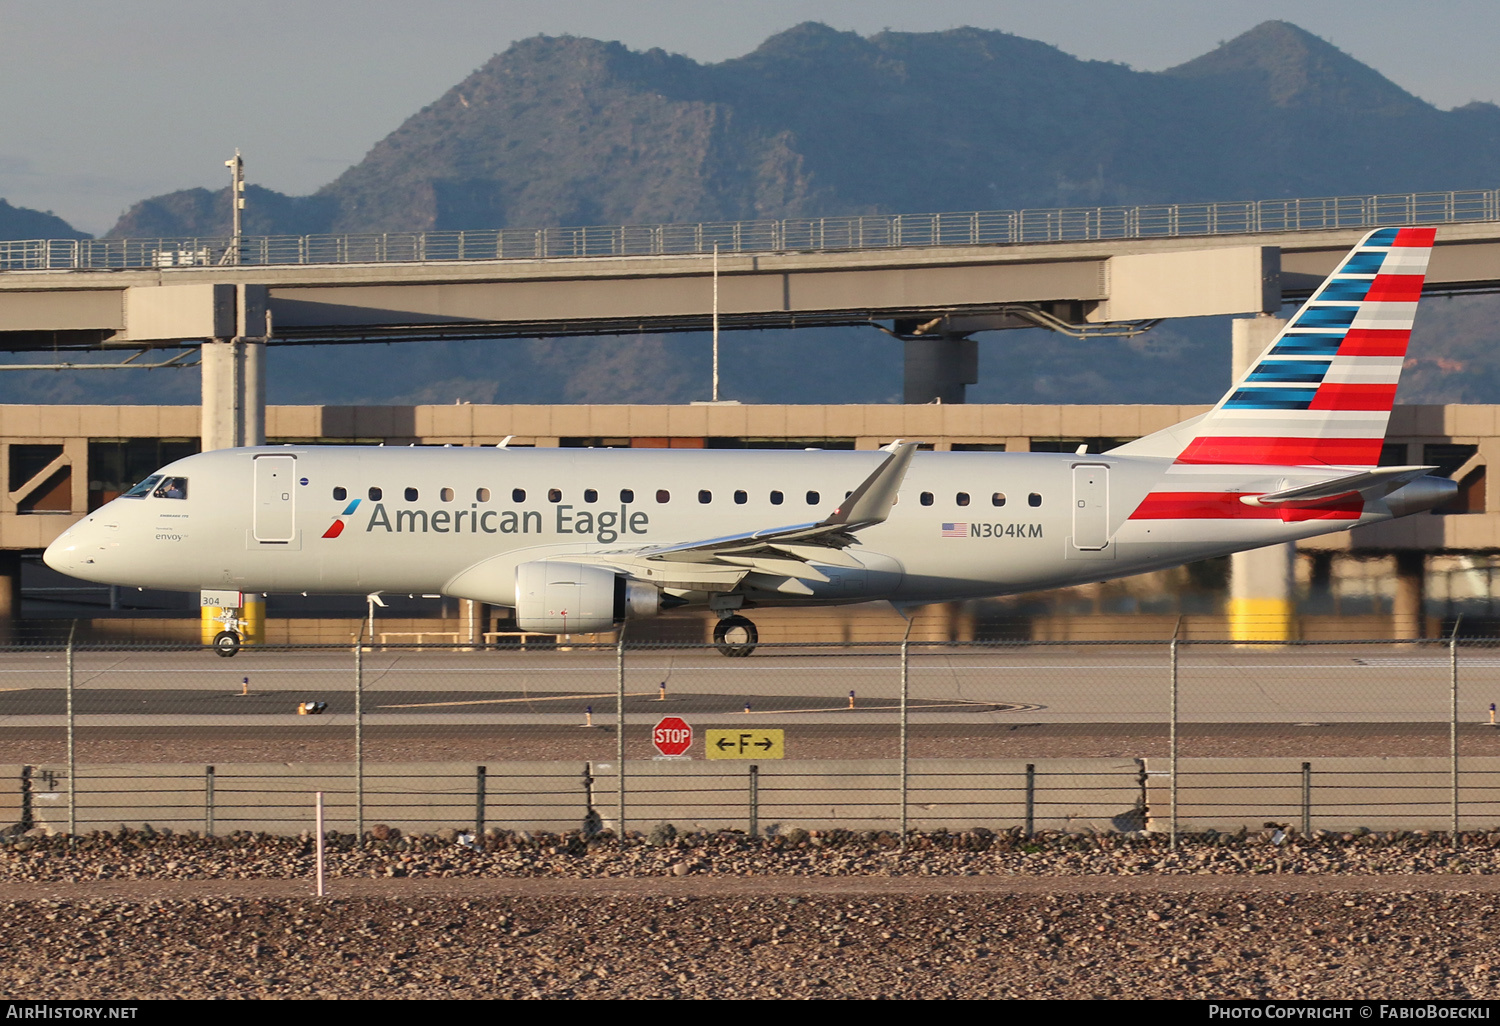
{"x":143,"y":489}
{"x":171,"y":488}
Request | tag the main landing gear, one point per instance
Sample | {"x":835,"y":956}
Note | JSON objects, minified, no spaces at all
{"x":735,"y":636}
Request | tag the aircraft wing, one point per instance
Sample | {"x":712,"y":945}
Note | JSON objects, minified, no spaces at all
{"x":719,"y":564}
{"x":1368,"y":484}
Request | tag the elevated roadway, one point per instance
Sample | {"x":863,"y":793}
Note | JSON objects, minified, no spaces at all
{"x":934,"y":280}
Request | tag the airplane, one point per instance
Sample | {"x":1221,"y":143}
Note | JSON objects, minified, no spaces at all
{"x":578,"y":541}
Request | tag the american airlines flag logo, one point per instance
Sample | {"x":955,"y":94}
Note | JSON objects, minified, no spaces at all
{"x":955,"y":530}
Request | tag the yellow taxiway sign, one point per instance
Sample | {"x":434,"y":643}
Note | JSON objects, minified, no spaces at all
{"x":745,"y":744}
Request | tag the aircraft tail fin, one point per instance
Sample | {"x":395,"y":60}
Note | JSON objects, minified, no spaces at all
{"x":1321,"y":393}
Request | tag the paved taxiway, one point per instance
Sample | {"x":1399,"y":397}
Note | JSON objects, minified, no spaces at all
{"x":1024,"y":684}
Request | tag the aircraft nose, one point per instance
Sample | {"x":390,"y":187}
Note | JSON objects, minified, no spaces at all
{"x":66,"y":554}
{"x":60,"y":554}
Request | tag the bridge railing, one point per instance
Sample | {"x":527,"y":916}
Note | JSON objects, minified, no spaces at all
{"x":800,"y":234}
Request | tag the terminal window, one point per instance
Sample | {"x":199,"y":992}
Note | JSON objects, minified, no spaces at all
{"x":116,"y":464}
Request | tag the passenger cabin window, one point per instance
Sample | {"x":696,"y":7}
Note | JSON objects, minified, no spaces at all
{"x":627,"y":495}
{"x":411,"y":495}
{"x":740,"y":498}
{"x":171,"y":488}
{"x":446,"y":494}
{"x":776,"y":498}
{"x":662,"y":495}
{"x":705,"y":496}
{"x":482,"y":494}
{"x":590,"y":495}
{"x":375,"y":494}
{"x":518,"y":495}
{"x":1033,"y":499}
{"x":813,"y":498}
{"x":143,"y":489}
{"x":340,"y":494}
{"x":998,"y":499}
{"x":962,"y":498}
{"x":927,"y":498}
{"x":554,"y":495}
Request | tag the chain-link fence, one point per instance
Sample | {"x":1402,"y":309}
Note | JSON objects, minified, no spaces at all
{"x":1167,"y":737}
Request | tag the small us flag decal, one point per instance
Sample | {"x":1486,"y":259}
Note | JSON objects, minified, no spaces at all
{"x":955,"y":530}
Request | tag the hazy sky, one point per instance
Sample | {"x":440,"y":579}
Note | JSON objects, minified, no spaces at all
{"x":110,"y":101}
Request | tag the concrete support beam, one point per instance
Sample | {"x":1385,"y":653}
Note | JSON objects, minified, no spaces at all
{"x":1408,"y":612}
{"x":1261,"y":584}
{"x":937,"y":369}
{"x":234,"y":394}
{"x":10,"y":596}
{"x":1195,"y":283}
{"x":233,"y":375}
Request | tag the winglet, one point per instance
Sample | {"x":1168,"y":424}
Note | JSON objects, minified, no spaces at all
{"x":871,"y":502}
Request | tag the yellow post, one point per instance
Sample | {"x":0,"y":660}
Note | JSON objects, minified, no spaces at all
{"x":251,"y":616}
{"x":1262,"y":619}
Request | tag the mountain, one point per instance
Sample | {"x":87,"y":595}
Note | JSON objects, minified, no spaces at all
{"x":206,"y":213}
{"x":24,"y":223}
{"x":565,"y":130}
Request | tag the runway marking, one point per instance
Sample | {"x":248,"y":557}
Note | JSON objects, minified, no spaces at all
{"x":1373,"y":663}
{"x":502,"y":701}
{"x":994,"y":706}
{"x":1392,"y":662}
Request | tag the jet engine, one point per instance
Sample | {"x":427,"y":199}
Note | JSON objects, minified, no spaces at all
{"x":569,"y":598}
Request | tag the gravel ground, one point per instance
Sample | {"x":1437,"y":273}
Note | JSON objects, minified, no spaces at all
{"x":804,"y":915}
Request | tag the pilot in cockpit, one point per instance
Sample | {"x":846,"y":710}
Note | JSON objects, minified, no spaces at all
{"x":171,"y":488}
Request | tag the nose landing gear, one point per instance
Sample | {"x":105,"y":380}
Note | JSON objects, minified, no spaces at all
{"x":226,"y":643}
{"x":735,"y":636}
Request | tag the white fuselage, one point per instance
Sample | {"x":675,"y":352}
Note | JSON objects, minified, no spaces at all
{"x":965,"y":525}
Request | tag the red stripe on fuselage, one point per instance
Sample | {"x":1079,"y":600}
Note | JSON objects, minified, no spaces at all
{"x":1284,"y":452}
{"x":1227,"y":506}
{"x":1375,"y":342}
{"x":334,"y":530}
{"x":1331,"y":396}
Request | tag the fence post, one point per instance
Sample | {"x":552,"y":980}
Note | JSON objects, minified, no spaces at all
{"x":754,"y":800}
{"x":208,"y":801}
{"x":1306,"y":800}
{"x":1173,"y":742}
{"x":1030,"y":799}
{"x":620,"y":734}
{"x":318,"y":826}
{"x":72,"y":762}
{"x":359,"y":742}
{"x":479,"y":801}
{"x":1453,"y":724}
{"x":905,"y":678}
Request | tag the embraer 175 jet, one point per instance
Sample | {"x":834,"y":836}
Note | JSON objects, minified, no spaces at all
{"x":579,"y":540}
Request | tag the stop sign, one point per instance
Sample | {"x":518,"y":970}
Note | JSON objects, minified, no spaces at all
{"x":672,"y":736}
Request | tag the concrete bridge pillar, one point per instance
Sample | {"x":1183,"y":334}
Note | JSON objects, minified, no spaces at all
{"x":1408,"y":609}
{"x":10,"y":596}
{"x":938,"y":368}
{"x":1261,"y":583}
{"x":234,"y":380}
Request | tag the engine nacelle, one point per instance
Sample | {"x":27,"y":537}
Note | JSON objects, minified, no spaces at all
{"x":569,"y":598}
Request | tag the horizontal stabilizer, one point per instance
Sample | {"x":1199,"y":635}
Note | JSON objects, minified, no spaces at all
{"x":1368,"y":484}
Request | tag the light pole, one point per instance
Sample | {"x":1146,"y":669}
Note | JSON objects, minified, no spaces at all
{"x":236,"y":201}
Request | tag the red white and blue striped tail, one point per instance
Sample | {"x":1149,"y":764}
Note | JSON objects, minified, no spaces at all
{"x":1321,"y":394}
